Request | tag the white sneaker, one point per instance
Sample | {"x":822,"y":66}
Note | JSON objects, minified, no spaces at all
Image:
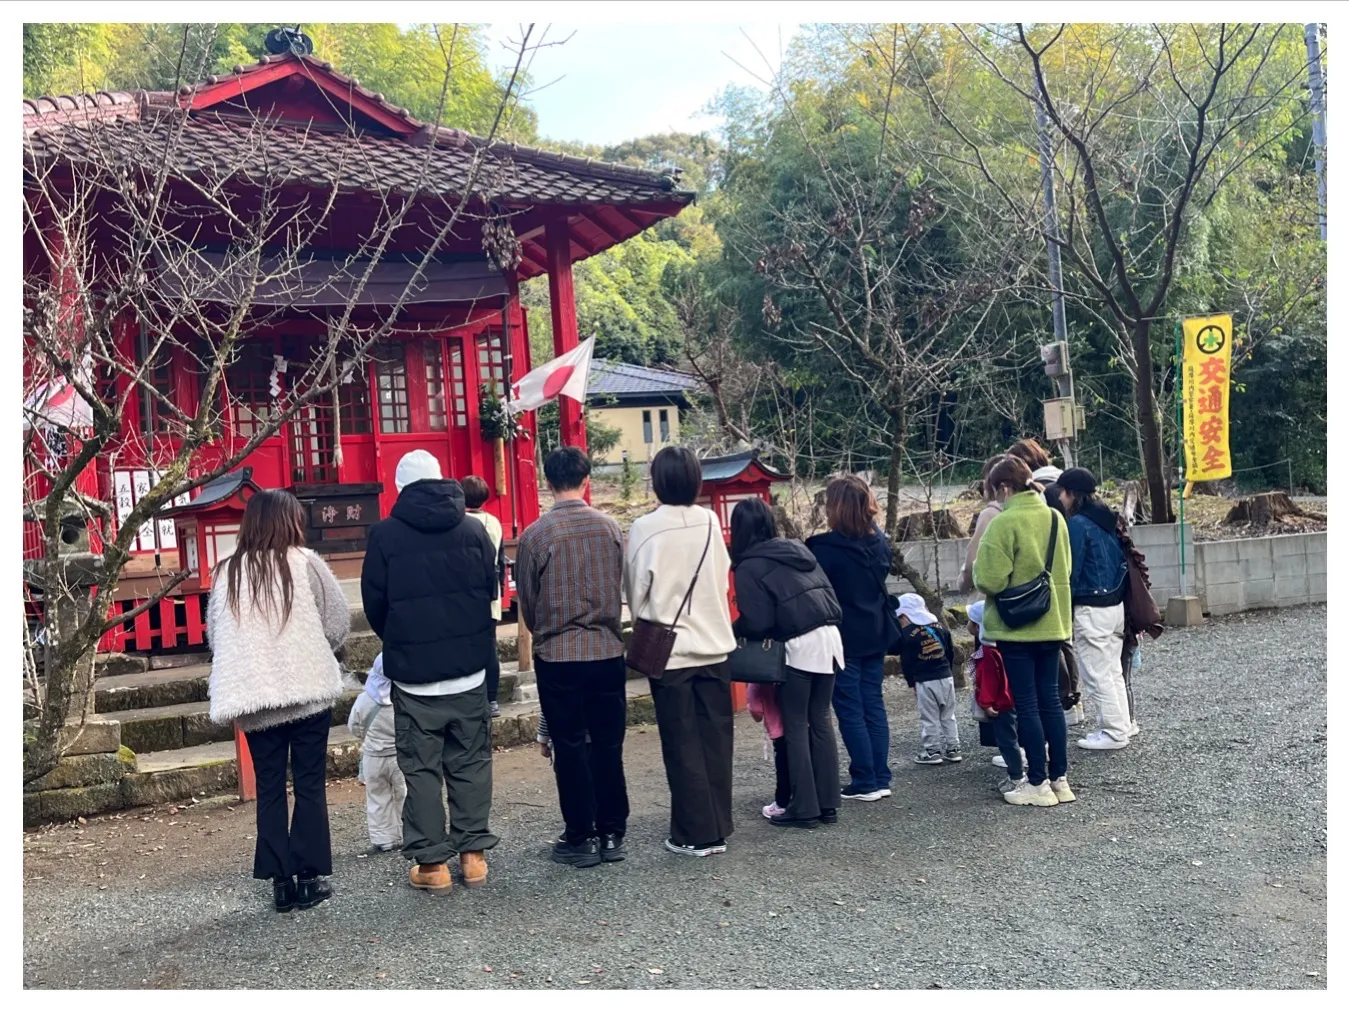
{"x":1008,"y":785}
{"x":999,"y":761}
{"x":1075,"y":716}
{"x":1134,"y":729}
{"x":885,"y":792}
{"x":1062,"y":791}
{"x":1039,"y":795}
{"x":771,"y":809}
{"x":1101,"y":742}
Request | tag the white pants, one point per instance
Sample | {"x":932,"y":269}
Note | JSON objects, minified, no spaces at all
{"x":936,"y":702}
{"x":1098,"y":637}
{"x":385,"y":790}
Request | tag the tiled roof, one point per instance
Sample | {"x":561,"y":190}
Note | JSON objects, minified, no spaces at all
{"x":136,"y":128}
{"x":622,"y":379}
{"x":734,"y":464}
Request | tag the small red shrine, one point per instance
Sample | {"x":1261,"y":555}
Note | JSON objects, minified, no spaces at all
{"x":463,"y":329}
{"x":729,"y":479}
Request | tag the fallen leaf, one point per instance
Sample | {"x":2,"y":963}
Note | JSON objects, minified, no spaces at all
{"x":583,"y":982}
{"x":720,"y":924}
{"x":838,"y":903}
{"x":654,"y":969}
{"x":922,"y":880}
{"x":1276,"y":885}
{"x":1196,"y":863}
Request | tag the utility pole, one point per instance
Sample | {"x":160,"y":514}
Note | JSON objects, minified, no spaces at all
{"x":1318,"y":97}
{"x":1062,"y":373}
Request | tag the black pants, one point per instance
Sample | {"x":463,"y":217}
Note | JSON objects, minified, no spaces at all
{"x":493,"y":675}
{"x":580,"y":697}
{"x":444,"y":749}
{"x":693,"y":713}
{"x":812,"y":749}
{"x":303,"y":847}
{"x":782,"y":793}
{"x":1033,"y":678}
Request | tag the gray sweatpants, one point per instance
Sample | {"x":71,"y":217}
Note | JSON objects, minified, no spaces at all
{"x":937,"y":714}
{"x":385,"y":791}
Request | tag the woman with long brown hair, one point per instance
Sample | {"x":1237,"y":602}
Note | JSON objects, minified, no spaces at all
{"x":856,"y":557}
{"x":275,"y":617}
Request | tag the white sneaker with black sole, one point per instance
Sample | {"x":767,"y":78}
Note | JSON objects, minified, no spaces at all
{"x":928,"y":758}
{"x":689,"y":850}
{"x":1099,"y":741}
{"x":1025,"y":793}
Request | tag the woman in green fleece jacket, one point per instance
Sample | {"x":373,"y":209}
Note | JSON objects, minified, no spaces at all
{"x":1013,"y":551}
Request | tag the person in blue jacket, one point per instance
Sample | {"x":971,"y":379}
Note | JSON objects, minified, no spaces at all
{"x":1100,"y":571}
{"x":855,"y":555}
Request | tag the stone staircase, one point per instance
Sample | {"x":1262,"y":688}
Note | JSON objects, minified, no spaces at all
{"x":163,"y":708}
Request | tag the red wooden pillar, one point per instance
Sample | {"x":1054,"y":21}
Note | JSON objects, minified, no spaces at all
{"x":248,"y":784}
{"x":562,"y":296}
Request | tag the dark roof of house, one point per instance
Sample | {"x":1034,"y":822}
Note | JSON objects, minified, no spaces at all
{"x":626,"y":381}
{"x":735,"y":464}
{"x":217,"y":143}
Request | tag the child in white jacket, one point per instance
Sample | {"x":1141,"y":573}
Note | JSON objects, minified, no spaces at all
{"x":371,"y":721}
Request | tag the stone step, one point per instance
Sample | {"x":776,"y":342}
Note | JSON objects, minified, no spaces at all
{"x":142,"y":690}
{"x":184,"y":725}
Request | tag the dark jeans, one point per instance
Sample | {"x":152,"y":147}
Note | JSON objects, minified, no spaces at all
{"x":862,"y":721}
{"x":493,"y":676}
{"x":812,"y":749}
{"x":304,"y":848}
{"x":1033,"y":677}
{"x":580,"y":697}
{"x":1003,"y":731}
{"x":444,"y":750}
{"x":782,"y":791}
{"x":693,"y":713}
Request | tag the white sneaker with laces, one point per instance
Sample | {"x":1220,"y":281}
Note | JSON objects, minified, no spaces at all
{"x":1062,"y":791}
{"x":1039,"y":795}
{"x":1099,"y":741}
{"x":999,"y":761}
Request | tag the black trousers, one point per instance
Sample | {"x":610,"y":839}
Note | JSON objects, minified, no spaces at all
{"x":580,"y":698}
{"x":445,"y":752}
{"x":805,"y":700}
{"x":303,"y":847}
{"x":782,"y":792}
{"x":693,"y":713}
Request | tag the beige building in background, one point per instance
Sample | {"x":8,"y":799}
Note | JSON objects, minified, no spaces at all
{"x":642,"y":403}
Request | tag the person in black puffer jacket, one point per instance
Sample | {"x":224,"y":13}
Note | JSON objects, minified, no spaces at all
{"x":427,"y":585}
{"x":782,"y":594}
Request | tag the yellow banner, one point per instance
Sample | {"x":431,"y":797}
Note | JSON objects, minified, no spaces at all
{"x":1206,"y":372}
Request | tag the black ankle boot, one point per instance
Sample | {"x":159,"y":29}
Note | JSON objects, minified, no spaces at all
{"x":310,"y":892}
{"x":283,"y":894}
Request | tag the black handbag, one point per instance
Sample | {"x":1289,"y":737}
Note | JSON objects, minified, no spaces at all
{"x":896,"y":637}
{"x":760,"y":662}
{"x":653,"y":642}
{"x":1030,"y":601}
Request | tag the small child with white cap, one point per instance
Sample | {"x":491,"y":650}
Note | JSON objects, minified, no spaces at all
{"x":927,"y":656}
{"x":371,"y":721}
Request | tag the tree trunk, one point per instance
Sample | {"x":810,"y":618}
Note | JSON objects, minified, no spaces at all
{"x":897,"y":436}
{"x":1159,"y":497}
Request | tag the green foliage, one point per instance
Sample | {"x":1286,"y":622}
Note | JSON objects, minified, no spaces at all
{"x":628,"y":481}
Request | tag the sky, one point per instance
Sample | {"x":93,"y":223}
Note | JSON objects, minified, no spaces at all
{"x":611,"y":83}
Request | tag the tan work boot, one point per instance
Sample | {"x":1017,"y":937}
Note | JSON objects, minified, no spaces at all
{"x":474,"y":866}
{"x":434,"y":878}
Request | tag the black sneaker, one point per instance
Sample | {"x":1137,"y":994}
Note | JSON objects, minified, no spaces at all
{"x":787,"y":820}
{"x":283,"y":894}
{"x":579,"y":855}
{"x":611,"y":847}
{"x":310,"y":892}
{"x":854,"y":793}
{"x":829,"y":816}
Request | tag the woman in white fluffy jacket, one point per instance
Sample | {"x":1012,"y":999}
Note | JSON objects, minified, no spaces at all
{"x":275,"y":618}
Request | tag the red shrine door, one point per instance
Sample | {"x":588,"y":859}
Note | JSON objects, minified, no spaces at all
{"x":412,"y":409}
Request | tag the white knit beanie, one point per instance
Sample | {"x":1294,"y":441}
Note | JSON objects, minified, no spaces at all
{"x":415,"y":466}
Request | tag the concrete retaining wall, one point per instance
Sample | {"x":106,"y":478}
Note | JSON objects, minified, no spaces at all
{"x":1227,"y":576}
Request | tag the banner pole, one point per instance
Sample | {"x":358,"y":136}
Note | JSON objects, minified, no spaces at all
{"x":1180,"y":452}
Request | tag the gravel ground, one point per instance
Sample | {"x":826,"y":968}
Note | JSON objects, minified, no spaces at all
{"x":1193,"y":859}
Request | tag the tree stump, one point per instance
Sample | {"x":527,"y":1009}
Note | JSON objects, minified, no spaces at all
{"x":921,"y":526}
{"x":1261,"y":510}
{"x":787,"y":527}
{"x":1224,"y":488}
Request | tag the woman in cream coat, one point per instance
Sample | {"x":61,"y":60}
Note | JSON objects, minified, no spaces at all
{"x":275,"y":616}
{"x":693,"y":697}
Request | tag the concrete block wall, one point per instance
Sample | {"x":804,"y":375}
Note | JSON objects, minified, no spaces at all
{"x":1227,"y":576}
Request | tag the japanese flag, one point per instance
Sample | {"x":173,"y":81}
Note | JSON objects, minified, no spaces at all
{"x":565,"y":375}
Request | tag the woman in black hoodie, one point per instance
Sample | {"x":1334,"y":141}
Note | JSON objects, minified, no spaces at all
{"x":856,"y":557}
{"x":782,"y":594}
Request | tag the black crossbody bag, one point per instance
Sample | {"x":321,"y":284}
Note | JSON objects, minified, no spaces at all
{"x":1030,"y":601}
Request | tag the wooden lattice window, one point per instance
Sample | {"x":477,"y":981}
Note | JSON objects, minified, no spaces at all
{"x":391,"y":380}
{"x":459,"y":400}
{"x":491,"y":362}
{"x":435,"y":385}
{"x":354,"y":397}
{"x":312,"y":444}
{"x":248,"y":380}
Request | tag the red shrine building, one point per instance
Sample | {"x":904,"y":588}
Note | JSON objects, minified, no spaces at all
{"x":462,"y":328}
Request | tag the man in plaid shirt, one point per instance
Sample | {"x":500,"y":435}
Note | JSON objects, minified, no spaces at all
{"x":569,"y":575}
